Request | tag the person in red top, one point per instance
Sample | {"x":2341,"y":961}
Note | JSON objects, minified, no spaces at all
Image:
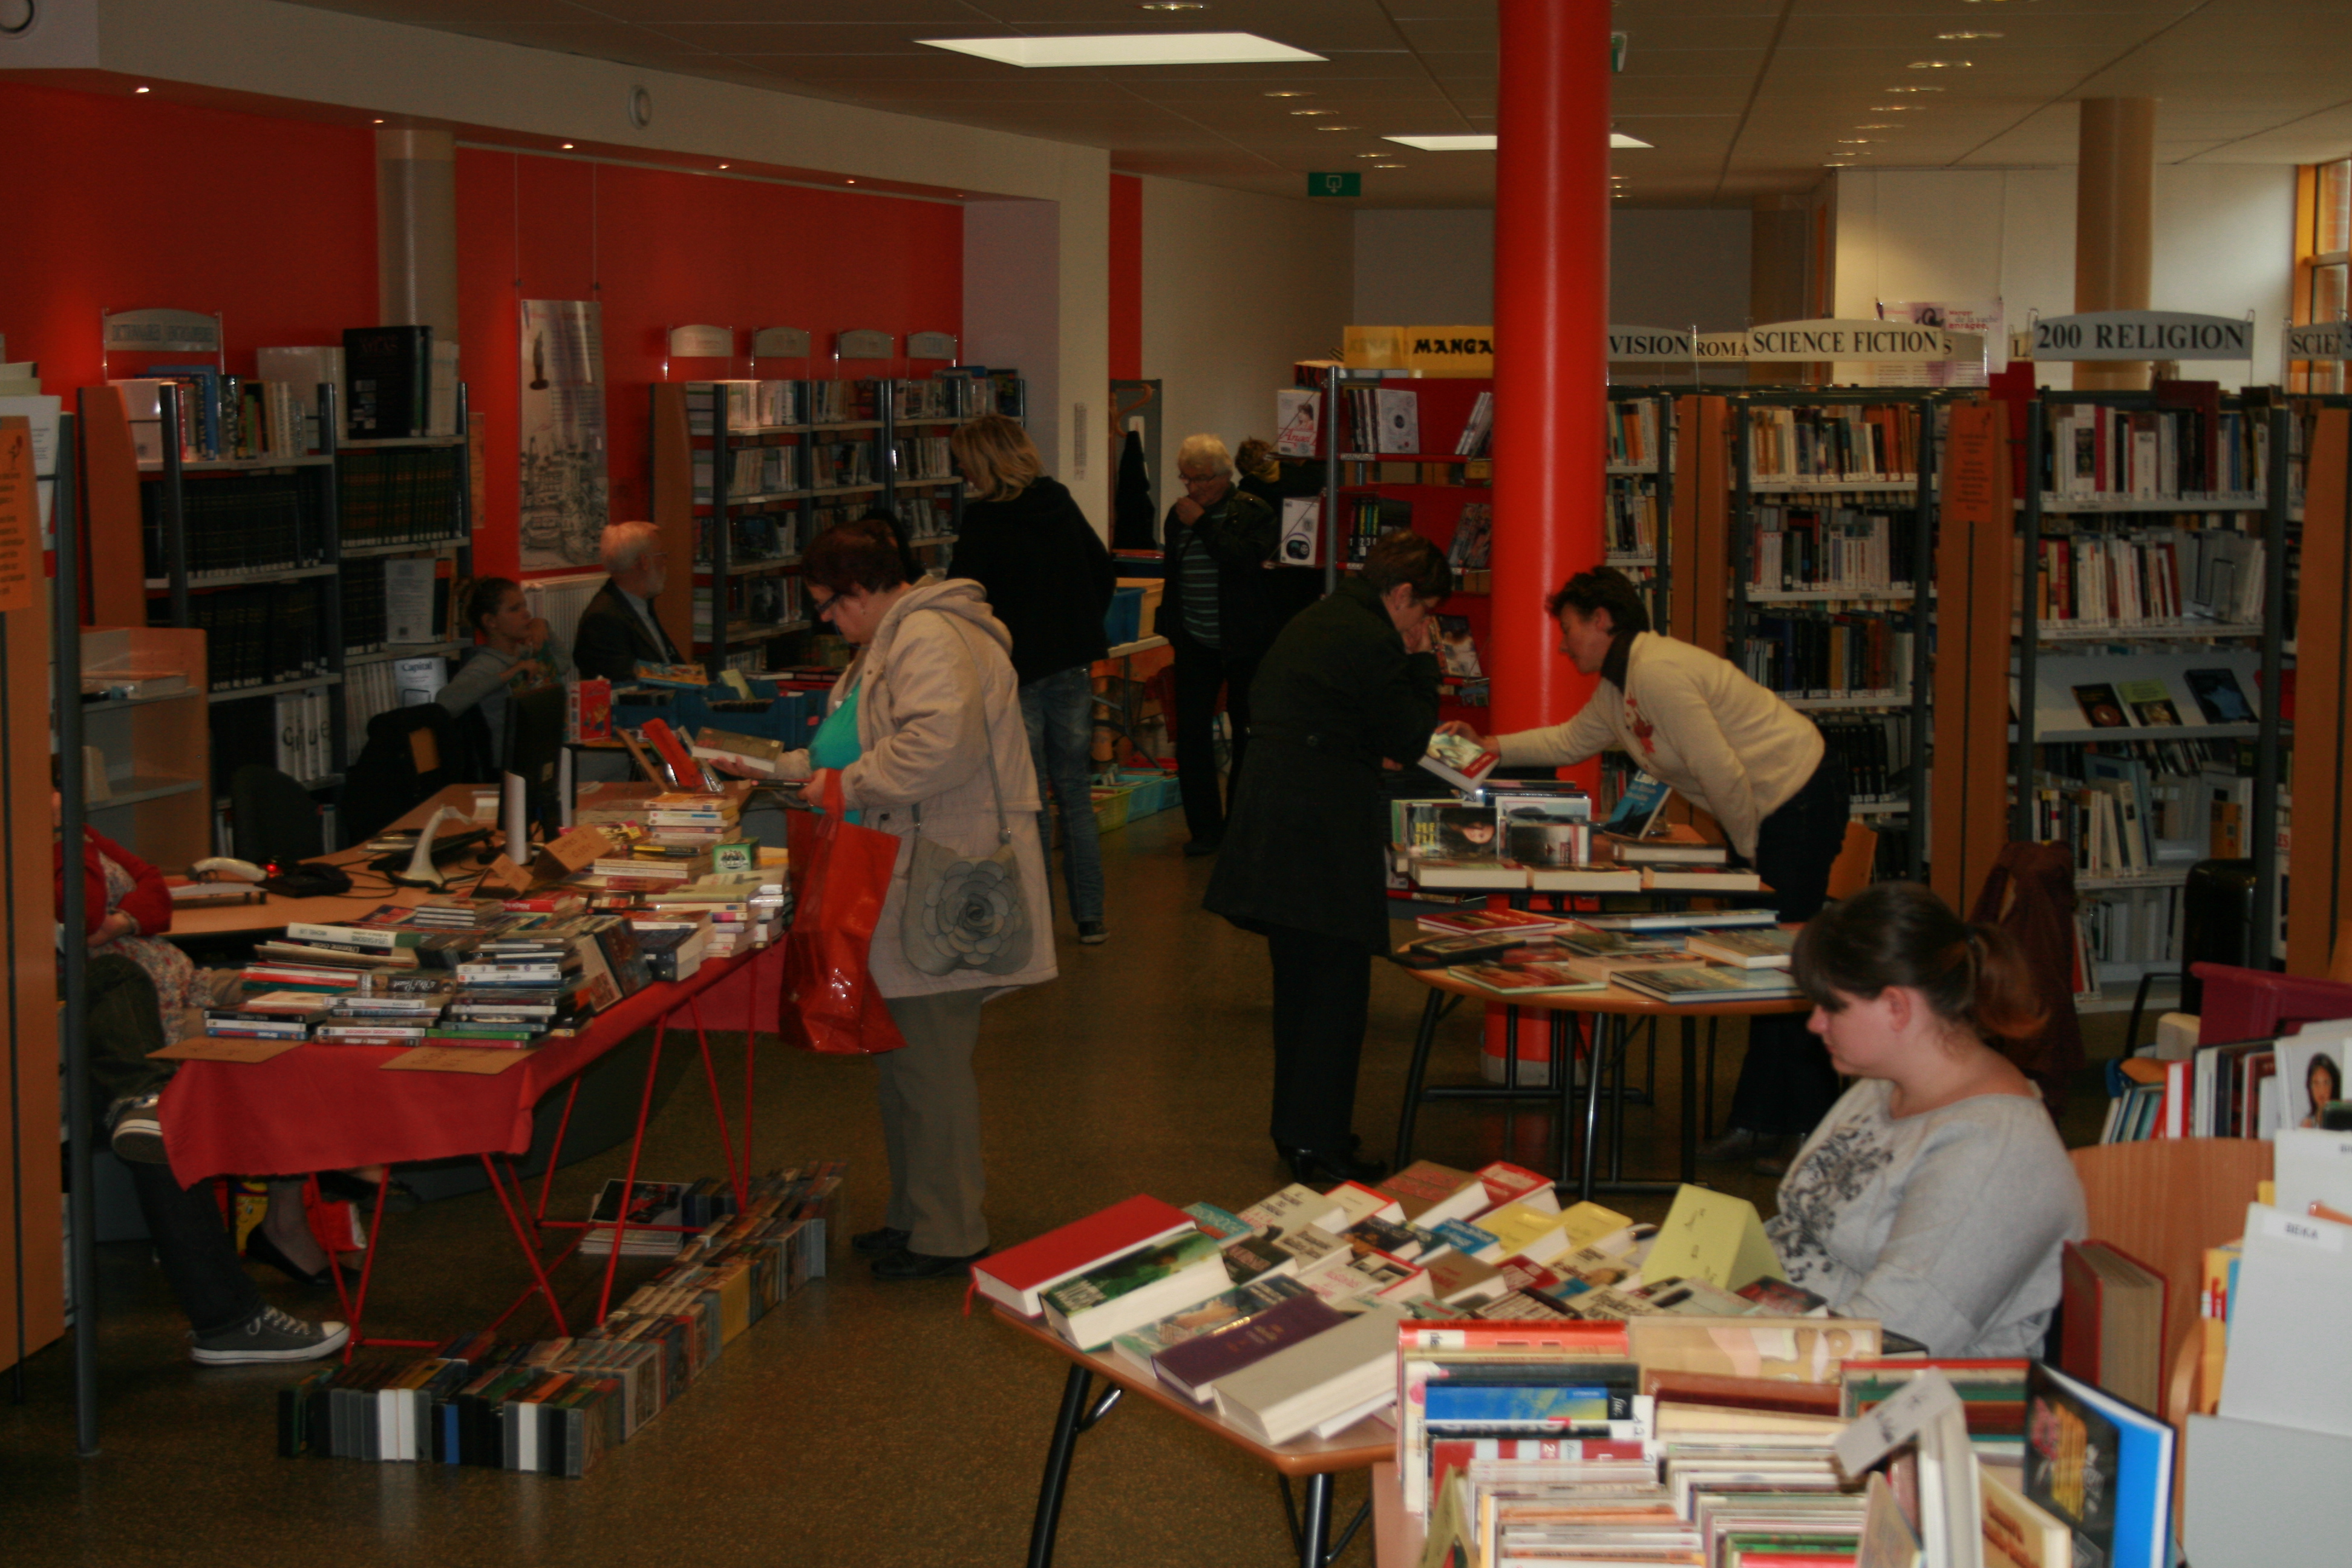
{"x":136,"y":991}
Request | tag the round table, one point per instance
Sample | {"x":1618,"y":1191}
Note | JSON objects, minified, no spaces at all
{"x":1622,"y":1009}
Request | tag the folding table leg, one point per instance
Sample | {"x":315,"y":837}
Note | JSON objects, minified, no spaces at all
{"x":1563,"y":1079}
{"x":1596,"y":1080}
{"x":738,"y":1179}
{"x":1690,"y":1117}
{"x":629,"y":1183}
{"x":555,"y":1154}
{"x":529,"y":1249}
{"x":1431,"y":1011}
{"x":1315,"y":1519}
{"x":1075,"y":1416}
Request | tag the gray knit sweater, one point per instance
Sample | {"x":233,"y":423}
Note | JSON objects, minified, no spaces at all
{"x":1946,"y":1225}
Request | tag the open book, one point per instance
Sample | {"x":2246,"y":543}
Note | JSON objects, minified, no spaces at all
{"x":1459,"y":763}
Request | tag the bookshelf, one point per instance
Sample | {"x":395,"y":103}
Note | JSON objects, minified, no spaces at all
{"x":746,"y":472}
{"x":2149,"y":645}
{"x":144,"y":707}
{"x":279,"y":561}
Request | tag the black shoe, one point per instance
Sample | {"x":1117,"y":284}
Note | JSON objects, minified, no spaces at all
{"x":341,"y":1186}
{"x":1329,"y":1167}
{"x":878,"y":1243}
{"x":259,"y":1248}
{"x":1196,"y":847}
{"x":904,"y":1264}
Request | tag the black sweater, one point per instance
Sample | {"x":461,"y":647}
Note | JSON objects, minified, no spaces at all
{"x":1046,"y":573}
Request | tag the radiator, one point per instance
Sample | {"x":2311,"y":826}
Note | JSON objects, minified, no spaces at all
{"x":559,"y":601}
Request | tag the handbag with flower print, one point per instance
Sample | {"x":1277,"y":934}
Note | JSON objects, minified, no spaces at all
{"x":966,"y":911}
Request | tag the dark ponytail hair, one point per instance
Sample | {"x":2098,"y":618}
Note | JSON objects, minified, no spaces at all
{"x":1899,"y":933}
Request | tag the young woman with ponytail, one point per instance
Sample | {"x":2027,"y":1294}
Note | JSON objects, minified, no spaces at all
{"x":1936,"y":1194}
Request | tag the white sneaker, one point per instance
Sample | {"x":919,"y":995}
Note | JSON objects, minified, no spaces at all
{"x":269,"y":1335}
{"x":134,"y":1132}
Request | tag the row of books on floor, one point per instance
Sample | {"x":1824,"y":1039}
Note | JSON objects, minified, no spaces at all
{"x":2150,"y":578}
{"x":2098,"y":453}
{"x":1705,"y":956}
{"x":1508,"y":1350}
{"x":557,"y":1406}
{"x":2236,"y":1088}
{"x":752,"y":536}
{"x":1802,"y":549}
{"x":1842,"y":654}
{"x":1628,"y":516}
{"x":1847,"y":443}
{"x":260,"y":634}
{"x":400,"y":495}
{"x":232,"y":525}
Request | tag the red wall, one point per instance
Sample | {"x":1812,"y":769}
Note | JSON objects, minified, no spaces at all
{"x":1126,"y":278}
{"x":129,"y":202}
{"x":661,"y":249}
{"x":126,"y":203}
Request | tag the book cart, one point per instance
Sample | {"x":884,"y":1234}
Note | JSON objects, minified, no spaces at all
{"x":278,"y":560}
{"x":749,"y":472}
{"x":2155,"y":558}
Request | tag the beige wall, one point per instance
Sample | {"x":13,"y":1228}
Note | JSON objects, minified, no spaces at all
{"x":1236,"y":288}
{"x":1431,"y":268}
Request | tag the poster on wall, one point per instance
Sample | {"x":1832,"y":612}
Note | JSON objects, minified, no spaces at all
{"x":1980,"y":318}
{"x":565,"y":485}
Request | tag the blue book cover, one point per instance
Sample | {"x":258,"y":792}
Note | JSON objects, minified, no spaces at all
{"x":1489,"y":1405}
{"x":2103,"y":1465}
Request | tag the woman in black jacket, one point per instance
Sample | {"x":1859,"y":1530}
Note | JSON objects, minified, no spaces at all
{"x":1050,"y":581}
{"x":1351,"y":683}
{"x":1218,"y":618}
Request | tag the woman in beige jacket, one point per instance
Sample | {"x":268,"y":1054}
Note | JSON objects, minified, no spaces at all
{"x":911,"y":728}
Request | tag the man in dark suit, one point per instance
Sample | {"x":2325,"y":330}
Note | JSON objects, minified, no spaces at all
{"x":619,"y":629}
{"x":1350,"y":686}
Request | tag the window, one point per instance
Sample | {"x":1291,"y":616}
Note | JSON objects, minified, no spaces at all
{"x":2323,"y":258}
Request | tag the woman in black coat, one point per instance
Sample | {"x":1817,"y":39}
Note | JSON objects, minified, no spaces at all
{"x":1350,"y":684}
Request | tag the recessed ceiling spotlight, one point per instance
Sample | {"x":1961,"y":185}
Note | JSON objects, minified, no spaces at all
{"x":1888,"y":126}
{"x":1896,"y":107}
{"x":1914,"y":90}
{"x":1389,"y":165}
{"x":379,"y":119}
{"x":1314,"y":111}
{"x":1171,"y":5}
{"x":1962,"y":38}
{"x":722,"y":165}
{"x":1289,"y":92}
{"x":1853,"y":141}
{"x":1338,"y":128}
{"x":567,"y":147}
{"x":150,"y":89}
{"x":1372,"y":154}
{"x":1941,"y":65}
{"x":849,"y":181}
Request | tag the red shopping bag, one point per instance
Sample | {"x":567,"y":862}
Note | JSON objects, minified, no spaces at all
{"x":840,"y":874}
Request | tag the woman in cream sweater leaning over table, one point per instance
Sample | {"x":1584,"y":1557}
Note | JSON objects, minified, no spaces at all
{"x":1742,"y":754}
{"x":924,"y":734}
{"x":1935,"y":1196}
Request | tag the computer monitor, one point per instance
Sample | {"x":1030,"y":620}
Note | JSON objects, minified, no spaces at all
{"x":534,"y":748}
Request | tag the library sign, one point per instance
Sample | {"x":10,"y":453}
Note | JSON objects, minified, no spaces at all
{"x":2320,"y":340}
{"x":2141,"y":335}
{"x":1650,"y":345}
{"x":1843,"y":339}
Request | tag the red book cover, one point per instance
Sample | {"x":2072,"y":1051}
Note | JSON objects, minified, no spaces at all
{"x":1018,"y":1274}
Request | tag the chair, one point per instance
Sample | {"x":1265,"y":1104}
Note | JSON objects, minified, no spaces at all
{"x":2164,"y":1201}
{"x":411,"y":752}
{"x":272,"y":818}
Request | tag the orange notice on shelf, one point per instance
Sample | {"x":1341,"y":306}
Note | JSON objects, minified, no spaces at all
{"x":19,"y":562}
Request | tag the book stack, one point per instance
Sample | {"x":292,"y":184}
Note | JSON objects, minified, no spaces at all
{"x":556,"y":1406}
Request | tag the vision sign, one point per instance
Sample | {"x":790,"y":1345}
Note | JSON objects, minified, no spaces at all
{"x":1650,"y":345}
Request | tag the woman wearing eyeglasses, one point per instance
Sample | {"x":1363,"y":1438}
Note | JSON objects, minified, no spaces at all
{"x":1217,"y":614}
{"x":923,"y":735}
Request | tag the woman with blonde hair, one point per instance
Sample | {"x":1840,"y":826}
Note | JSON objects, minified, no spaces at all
{"x":1049,"y":579}
{"x":1217,"y":615}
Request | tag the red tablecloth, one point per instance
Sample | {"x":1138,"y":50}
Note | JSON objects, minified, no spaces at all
{"x":330,"y":1108}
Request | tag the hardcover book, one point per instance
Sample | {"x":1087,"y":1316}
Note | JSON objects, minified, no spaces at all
{"x":2101,"y":708}
{"x":1765,"y":947}
{"x":1135,"y":1287}
{"x":1226,"y":1310}
{"x":1193,"y":1368}
{"x":1017,"y":1275}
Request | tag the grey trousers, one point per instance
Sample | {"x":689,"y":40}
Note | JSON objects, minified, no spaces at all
{"x":930,"y":1123}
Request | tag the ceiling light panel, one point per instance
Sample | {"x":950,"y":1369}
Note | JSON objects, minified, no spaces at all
{"x":1128,"y":49}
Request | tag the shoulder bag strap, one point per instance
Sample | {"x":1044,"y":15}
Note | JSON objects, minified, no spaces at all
{"x":988,"y":735}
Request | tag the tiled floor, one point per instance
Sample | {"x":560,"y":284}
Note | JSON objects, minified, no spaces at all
{"x":862,"y":1423}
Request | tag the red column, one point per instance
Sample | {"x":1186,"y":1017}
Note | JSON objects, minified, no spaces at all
{"x":1551,"y":318}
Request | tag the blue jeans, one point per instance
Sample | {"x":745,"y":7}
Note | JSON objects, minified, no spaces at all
{"x":1059,"y":711}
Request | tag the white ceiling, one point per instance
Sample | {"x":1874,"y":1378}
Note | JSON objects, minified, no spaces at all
{"x":1740,"y":98}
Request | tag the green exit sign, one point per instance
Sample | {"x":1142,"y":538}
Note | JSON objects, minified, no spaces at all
{"x":1349,"y":183}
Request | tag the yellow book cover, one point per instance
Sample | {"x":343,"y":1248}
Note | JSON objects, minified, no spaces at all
{"x":1527,"y":1233}
{"x":1712,"y":1236}
{"x":1587,"y":1223}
